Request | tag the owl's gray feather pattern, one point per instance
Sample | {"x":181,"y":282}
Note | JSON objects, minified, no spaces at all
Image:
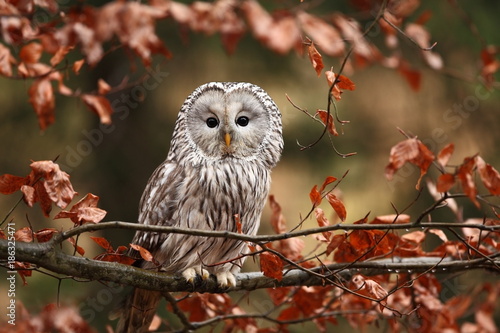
{"x":204,"y":182}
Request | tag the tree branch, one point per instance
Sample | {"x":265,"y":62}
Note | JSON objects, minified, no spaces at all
{"x":53,"y":259}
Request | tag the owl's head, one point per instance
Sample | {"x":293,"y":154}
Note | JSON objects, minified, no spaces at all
{"x":229,"y":119}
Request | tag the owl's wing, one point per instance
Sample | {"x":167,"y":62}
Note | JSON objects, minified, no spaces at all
{"x":158,"y":203}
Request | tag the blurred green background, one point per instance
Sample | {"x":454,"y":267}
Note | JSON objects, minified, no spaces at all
{"x":115,"y":162}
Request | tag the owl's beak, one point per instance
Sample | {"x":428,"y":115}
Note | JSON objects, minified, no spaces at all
{"x":227,"y":138}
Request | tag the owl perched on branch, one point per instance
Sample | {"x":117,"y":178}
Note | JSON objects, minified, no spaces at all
{"x":227,"y":138}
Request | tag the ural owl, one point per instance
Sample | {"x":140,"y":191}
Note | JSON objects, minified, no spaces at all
{"x":227,"y":138}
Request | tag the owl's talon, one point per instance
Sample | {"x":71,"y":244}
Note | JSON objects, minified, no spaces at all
{"x":191,"y":273}
{"x":226,"y":279}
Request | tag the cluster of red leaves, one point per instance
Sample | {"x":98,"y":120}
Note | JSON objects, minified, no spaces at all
{"x":53,"y":318}
{"x":90,"y":30}
{"x":47,"y":184}
{"x":118,"y":255}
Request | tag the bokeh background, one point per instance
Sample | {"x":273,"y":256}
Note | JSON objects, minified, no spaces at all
{"x":115,"y":162}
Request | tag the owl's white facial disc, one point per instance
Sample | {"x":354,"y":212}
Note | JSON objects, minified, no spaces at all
{"x":228,"y":123}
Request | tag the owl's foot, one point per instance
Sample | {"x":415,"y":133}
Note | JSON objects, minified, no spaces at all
{"x":191,"y":273}
{"x":226,"y":279}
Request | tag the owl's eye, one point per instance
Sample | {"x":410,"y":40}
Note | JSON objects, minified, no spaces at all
{"x":212,"y":122}
{"x":242,"y":121}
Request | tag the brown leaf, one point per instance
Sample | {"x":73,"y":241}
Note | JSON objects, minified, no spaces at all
{"x":145,"y":254}
{"x":489,"y":176}
{"x":444,"y":155}
{"x":322,"y":222}
{"x":31,"y":53}
{"x":84,"y":211}
{"x":24,"y":235}
{"x":10,"y":183}
{"x":440,"y":233}
{"x":335,"y":243}
{"x":44,"y":235}
{"x":337,"y":205}
{"x":60,"y":55}
{"x":56,"y":184}
{"x":271,"y":265}
{"x":277,"y":219}
{"x":315,"y":196}
{"x":315,"y":58}
{"x":464,"y":175}
{"x":412,"y":151}
{"x":292,"y":248}
{"x":342,"y":83}
{"x":42,"y":99}
{"x":103,"y":242}
{"x":324,"y":35}
{"x":103,"y":87}
{"x":78,"y":248}
{"x":445,"y":182}
{"x":327,"y":119}
{"x":6,"y":61}
{"x":29,"y":195}
{"x":77,"y":65}
{"x":490,"y":64}
{"x":100,"y":105}
{"x":413,"y":77}
{"x":238,"y":223}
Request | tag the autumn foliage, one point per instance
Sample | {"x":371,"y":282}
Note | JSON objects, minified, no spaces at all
{"x":383,"y":270}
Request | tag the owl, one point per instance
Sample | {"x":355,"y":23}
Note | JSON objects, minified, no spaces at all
{"x":227,"y":138}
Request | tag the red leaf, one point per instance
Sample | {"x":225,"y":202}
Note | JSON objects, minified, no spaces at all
{"x":337,"y":205}
{"x":315,"y":196}
{"x":277,"y":219}
{"x":43,"y":101}
{"x":29,"y":195}
{"x":445,"y":154}
{"x":77,"y":65}
{"x":79,"y":249}
{"x":84,"y":211}
{"x":412,"y":151}
{"x":24,"y":235}
{"x":322,"y":222}
{"x":10,"y":184}
{"x":445,"y":182}
{"x":335,"y":243}
{"x":292,"y":248}
{"x":271,"y":265}
{"x":44,"y":235}
{"x":60,"y":55}
{"x":413,"y":77}
{"x":464,"y":174}
{"x":100,"y":105}
{"x":489,"y":176}
{"x":6,"y":61}
{"x":31,"y":53}
{"x":490,"y":65}
{"x":315,"y":58}
{"x":56,"y":184}
{"x":323,"y":34}
{"x":103,"y":242}
{"x":342,"y":83}
{"x":328,"y":121}
{"x":238,"y":222}
{"x":145,"y":254}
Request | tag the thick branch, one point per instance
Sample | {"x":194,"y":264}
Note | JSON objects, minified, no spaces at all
{"x":53,"y":259}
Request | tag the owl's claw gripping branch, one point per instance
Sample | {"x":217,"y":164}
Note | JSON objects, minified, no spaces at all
{"x":226,"y":279}
{"x":191,"y":273}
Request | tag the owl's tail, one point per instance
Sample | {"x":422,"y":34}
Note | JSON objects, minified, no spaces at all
{"x":137,"y":311}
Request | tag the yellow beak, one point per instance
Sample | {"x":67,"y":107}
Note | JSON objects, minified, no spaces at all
{"x":227,"y":138}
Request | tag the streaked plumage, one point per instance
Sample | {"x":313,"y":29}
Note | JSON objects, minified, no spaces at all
{"x":214,"y":170}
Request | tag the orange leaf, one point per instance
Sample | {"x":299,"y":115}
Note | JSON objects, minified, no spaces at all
{"x":337,"y":205}
{"x":341,"y":83}
{"x":292,"y":248}
{"x":413,"y":77}
{"x":31,"y":53}
{"x":315,"y":196}
{"x":445,"y":182}
{"x":445,"y":154}
{"x":60,"y":55}
{"x":315,"y":58}
{"x":29,"y":195}
{"x":103,"y":87}
{"x":271,"y":265}
{"x":77,"y":65}
{"x":238,"y":222}
{"x":24,"y":235}
{"x":6,"y":61}
{"x":145,"y":254}
{"x":391,"y":219}
{"x":322,"y":222}
{"x":489,"y":176}
{"x":100,"y":105}
{"x":328,"y":121}
{"x":84,"y":211}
